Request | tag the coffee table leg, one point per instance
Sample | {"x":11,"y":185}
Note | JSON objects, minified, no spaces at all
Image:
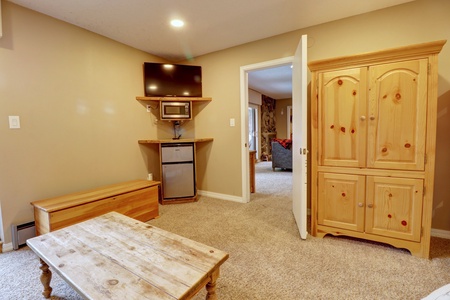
{"x":46,"y":277}
{"x":211,"y":286}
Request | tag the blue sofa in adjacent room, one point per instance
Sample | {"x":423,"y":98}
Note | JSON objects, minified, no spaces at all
{"x":282,"y":154}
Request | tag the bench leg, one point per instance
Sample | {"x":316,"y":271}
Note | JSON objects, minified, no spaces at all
{"x":211,"y":286}
{"x":46,"y":277}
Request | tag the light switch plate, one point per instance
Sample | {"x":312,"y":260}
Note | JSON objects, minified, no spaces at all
{"x":232,"y":122}
{"x":14,"y":122}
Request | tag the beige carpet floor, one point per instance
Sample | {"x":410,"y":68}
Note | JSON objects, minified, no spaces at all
{"x":267,"y":258}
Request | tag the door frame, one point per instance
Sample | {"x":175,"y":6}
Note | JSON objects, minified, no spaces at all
{"x":244,"y":70}
{"x":258,"y":125}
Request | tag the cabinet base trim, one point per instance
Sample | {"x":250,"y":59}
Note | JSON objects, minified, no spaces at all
{"x":415,"y":248}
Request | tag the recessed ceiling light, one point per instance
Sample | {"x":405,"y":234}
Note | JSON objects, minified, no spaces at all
{"x":177,"y":23}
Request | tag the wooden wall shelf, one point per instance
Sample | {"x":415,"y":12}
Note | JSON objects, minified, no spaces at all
{"x":167,"y":141}
{"x":194,"y":99}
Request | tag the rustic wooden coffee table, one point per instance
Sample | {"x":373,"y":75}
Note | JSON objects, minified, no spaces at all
{"x":115,"y":257}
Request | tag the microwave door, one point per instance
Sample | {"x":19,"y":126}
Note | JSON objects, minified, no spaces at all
{"x":175,"y":110}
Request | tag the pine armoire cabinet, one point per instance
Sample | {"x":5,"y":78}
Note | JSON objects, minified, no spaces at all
{"x":373,"y":138}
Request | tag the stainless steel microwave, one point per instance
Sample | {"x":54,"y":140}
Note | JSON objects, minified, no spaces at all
{"x":179,"y":110}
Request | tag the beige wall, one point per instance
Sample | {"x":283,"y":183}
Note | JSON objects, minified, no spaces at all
{"x":281,"y":114}
{"x":75,"y":93}
{"x":254,"y":97}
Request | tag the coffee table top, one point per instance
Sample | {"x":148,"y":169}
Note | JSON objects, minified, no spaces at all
{"x":115,"y":257}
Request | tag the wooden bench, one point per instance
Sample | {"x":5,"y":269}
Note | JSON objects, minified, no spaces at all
{"x":137,"y":199}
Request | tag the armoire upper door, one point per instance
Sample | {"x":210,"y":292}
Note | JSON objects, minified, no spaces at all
{"x":397,"y":113}
{"x":342,"y":118}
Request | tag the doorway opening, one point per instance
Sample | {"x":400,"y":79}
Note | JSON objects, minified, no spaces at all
{"x":245,"y":117}
{"x":271,"y":88}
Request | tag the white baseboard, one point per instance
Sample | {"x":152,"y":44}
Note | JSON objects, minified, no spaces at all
{"x":220,"y":196}
{"x":7,"y":247}
{"x":445,"y":234}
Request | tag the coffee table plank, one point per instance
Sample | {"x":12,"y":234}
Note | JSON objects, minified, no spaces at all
{"x":197,"y":254}
{"x":75,"y":265}
{"x":165,"y":272}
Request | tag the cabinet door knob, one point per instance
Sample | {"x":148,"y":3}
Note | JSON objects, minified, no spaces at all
{"x":360,"y":204}
{"x":370,"y":205}
{"x":363,"y":118}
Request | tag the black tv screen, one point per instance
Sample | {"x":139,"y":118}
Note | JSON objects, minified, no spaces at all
{"x":172,"y":80}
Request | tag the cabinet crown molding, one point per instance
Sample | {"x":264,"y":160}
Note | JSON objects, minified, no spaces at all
{"x":382,"y":56}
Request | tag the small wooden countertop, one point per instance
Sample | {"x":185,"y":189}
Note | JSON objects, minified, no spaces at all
{"x":175,"y":141}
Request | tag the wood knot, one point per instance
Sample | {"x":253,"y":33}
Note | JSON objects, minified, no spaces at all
{"x":113,"y":281}
{"x":407,"y":145}
{"x":404,"y":223}
{"x":398,"y":96}
{"x":332,"y":126}
{"x":354,"y":93}
{"x":340,"y":82}
{"x":389,"y":216}
{"x":384,"y":150}
{"x":343,"y":194}
{"x":343,"y":129}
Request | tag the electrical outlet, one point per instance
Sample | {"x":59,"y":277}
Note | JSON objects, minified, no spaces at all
{"x":14,"y":122}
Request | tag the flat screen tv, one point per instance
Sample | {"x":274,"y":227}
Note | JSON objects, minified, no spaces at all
{"x":172,"y":80}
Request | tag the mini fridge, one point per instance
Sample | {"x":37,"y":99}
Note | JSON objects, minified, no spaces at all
{"x":178,"y":170}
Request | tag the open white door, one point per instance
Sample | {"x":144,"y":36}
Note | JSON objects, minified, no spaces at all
{"x":300,"y":137}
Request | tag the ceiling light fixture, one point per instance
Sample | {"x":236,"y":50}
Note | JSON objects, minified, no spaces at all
{"x":177,"y":23}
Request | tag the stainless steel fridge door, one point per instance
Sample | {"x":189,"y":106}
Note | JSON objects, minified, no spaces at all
{"x":178,"y":180}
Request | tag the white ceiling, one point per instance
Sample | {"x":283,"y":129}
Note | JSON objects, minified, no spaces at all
{"x":274,"y":82}
{"x":211,"y":25}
